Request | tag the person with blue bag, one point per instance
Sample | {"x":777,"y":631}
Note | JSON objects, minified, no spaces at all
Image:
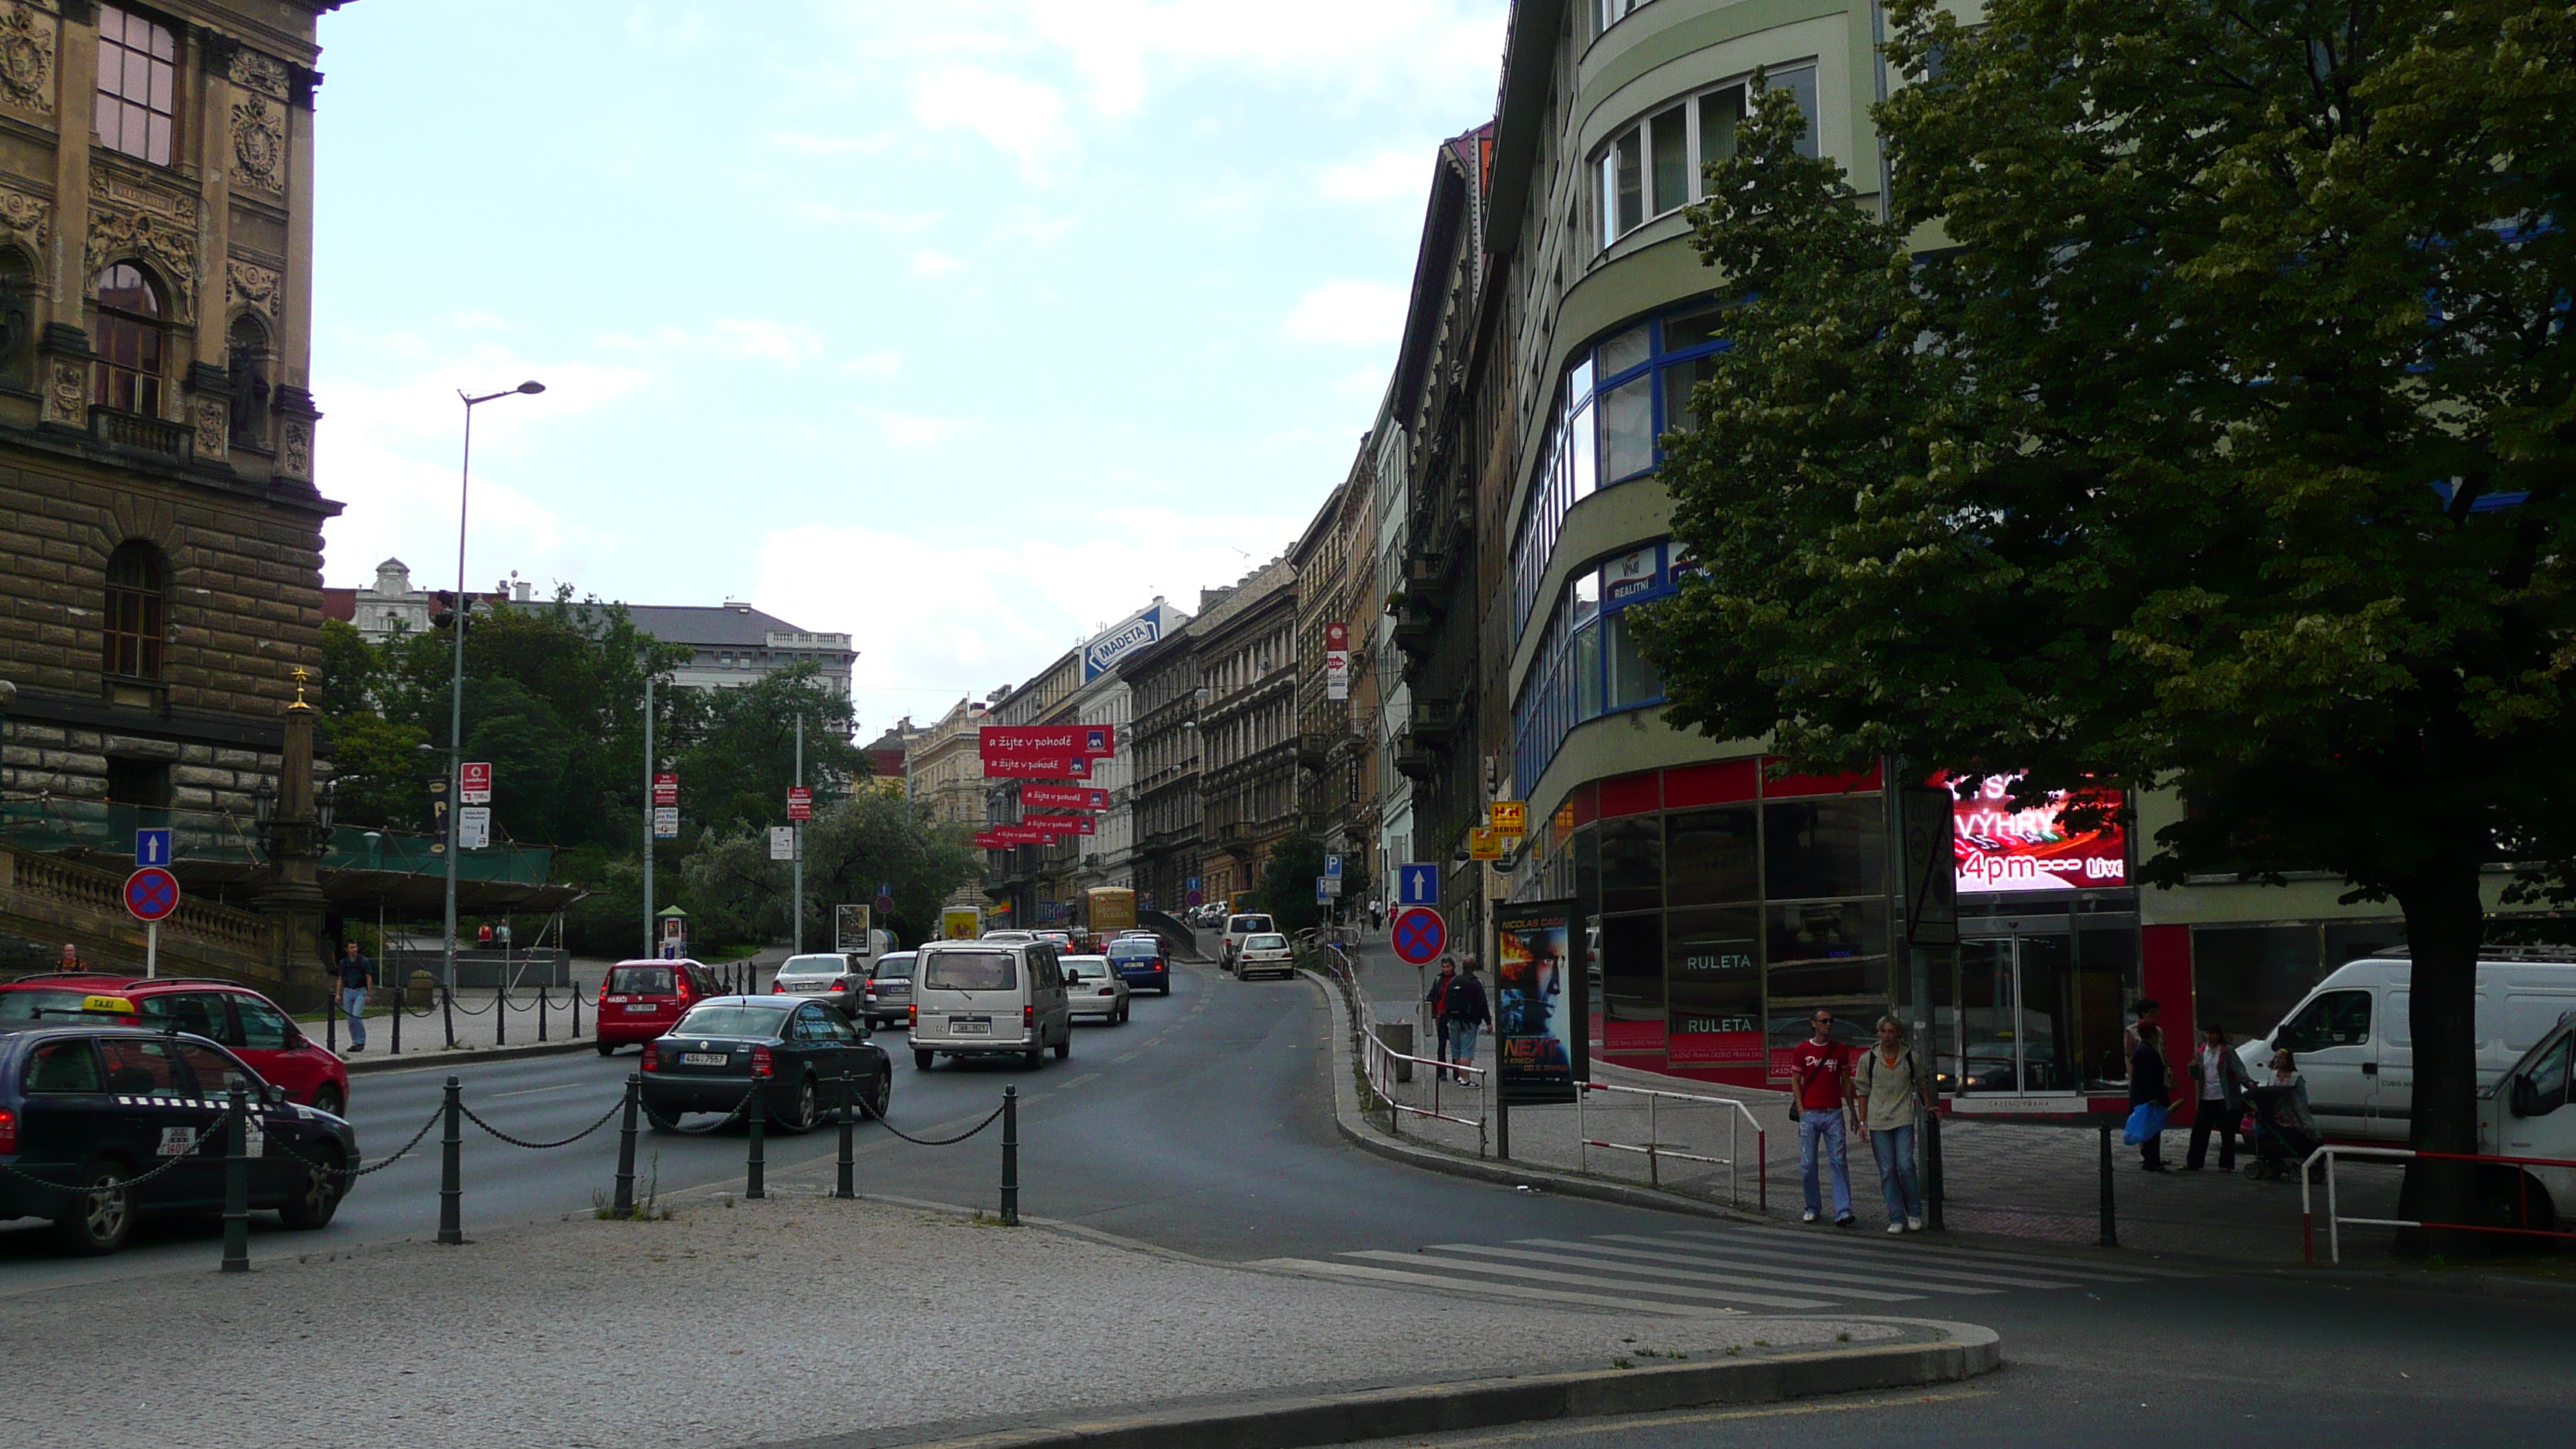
{"x":2150,"y":1096}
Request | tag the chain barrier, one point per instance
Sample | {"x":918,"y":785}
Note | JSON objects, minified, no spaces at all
{"x":944,"y":1141}
{"x":717,"y":1125}
{"x":130,"y":1183}
{"x":612,"y":1111}
{"x":354,"y":1173}
{"x":472,"y":1011}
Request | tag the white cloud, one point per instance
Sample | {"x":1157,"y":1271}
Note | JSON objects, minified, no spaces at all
{"x":935,"y":264}
{"x":1380,"y":176}
{"x":1021,"y":117}
{"x":813,"y":143}
{"x":1359,"y":313}
{"x":914,"y":430}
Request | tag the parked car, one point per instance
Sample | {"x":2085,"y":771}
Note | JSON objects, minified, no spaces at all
{"x":99,"y":1106}
{"x":640,"y":1000}
{"x":227,"y":1013}
{"x":828,"y":975}
{"x":804,"y":1054}
{"x":1238,"y":927}
{"x":1264,"y":951}
{"x":989,"y":998}
{"x":889,"y":990}
{"x":1140,"y":959}
{"x":1094,"y":988}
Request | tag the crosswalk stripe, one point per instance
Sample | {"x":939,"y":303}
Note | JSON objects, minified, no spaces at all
{"x":1759,"y":1300}
{"x":1654,"y":1274}
{"x":1893,"y":1270}
{"x":1389,"y":1277}
{"x":1717,"y":1258}
{"x":1977,"y":1258}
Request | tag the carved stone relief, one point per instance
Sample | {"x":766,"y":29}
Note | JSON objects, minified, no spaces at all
{"x":295,"y":449}
{"x":248,"y":284}
{"x":266,"y":75}
{"x":170,"y":247}
{"x":67,"y":401}
{"x":213,"y":428}
{"x":27,"y":58}
{"x":112,"y":188}
{"x":259,"y":144}
{"x":27,"y":218}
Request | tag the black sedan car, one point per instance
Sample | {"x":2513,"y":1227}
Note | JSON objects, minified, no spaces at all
{"x":89,"y":1114}
{"x":805,"y":1052}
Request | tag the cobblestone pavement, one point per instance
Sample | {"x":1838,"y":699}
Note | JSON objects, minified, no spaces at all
{"x":742,"y":1322}
{"x":2006,"y":1180}
{"x":478,"y":1024}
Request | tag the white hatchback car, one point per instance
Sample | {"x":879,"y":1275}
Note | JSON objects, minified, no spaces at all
{"x":1264,"y":951}
{"x":1092,"y":988}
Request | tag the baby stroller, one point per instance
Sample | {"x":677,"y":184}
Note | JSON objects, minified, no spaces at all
{"x":2284,"y":1133}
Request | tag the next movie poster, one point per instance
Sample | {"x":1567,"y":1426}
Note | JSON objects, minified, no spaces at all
{"x":1539,"y":1006}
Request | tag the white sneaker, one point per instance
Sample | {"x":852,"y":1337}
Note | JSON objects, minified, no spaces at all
{"x":1914,"y":1225}
{"x":1896,"y":1228}
{"x":1808,"y":1216}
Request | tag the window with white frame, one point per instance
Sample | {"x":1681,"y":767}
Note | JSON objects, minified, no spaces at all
{"x":137,"y":85}
{"x":1659,"y":165}
{"x":1611,"y":12}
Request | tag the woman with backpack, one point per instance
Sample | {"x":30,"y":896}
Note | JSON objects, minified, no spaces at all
{"x":1893,"y":1093}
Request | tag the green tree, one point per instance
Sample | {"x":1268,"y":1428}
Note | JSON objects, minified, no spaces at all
{"x":872,"y":838}
{"x":735,"y":748}
{"x":1288,"y":879}
{"x":2220,"y":442}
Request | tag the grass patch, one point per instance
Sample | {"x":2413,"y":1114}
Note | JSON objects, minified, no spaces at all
{"x":647,"y":1207}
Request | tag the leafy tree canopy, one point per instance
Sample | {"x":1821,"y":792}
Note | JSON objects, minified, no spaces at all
{"x":853,"y":846}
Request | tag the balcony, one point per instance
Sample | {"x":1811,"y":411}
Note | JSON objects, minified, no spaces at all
{"x":1426,"y":569}
{"x":1314,"y":748}
{"x":1413,"y":760}
{"x":1433,"y":722}
{"x":1414,"y":628}
{"x":140,"y":432}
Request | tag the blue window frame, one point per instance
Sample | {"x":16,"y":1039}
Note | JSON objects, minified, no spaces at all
{"x":1590,"y":663}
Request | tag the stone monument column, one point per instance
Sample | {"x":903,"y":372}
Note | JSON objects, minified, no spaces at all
{"x":292,"y":892}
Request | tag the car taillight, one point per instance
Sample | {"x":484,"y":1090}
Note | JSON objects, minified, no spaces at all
{"x":8,"y":1130}
{"x":912,"y":1015}
{"x":777,"y":988}
{"x":1028,"y":1016}
{"x":652,"y":1057}
{"x":1109,"y":991}
{"x":761,"y":1061}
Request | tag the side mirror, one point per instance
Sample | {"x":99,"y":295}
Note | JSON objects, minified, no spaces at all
{"x":273,"y":1094}
{"x":2524,"y":1099}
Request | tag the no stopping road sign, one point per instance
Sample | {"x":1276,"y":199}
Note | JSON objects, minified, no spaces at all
{"x":1419,"y":935}
{"x":151,"y":894}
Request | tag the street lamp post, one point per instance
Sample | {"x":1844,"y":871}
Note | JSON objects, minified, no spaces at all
{"x":456,"y":684}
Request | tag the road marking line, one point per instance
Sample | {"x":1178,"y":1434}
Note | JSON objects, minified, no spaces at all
{"x":1390,"y":1277}
{"x":1653,"y":1274}
{"x":1719,"y":1258}
{"x":532,"y":1091}
{"x":1762,"y":1261}
{"x":1859,"y":1256}
{"x":1542,"y":1275}
{"x":1078,"y":1081}
{"x":1978,"y":1259}
{"x":1628,"y":1424}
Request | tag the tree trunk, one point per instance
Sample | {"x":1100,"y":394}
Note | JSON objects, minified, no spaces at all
{"x":2445,"y":925}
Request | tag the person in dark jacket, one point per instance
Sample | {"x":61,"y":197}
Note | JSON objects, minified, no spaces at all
{"x":1437,"y":998}
{"x":2150,"y":1082}
{"x":1466,"y":1012}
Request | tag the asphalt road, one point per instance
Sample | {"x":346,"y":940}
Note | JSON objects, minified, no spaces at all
{"x":1204,"y":1126}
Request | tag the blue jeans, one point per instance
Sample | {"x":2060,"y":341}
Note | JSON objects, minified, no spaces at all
{"x":1897,"y":1178}
{"x":1829,"y":1127}
{"x":1462,"y":1042}
{"x":353,"y":1004}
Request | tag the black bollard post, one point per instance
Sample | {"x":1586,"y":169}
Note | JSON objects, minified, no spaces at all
{"x":398,"y":1016}
{"x":847,"y":1185}
{"x":1010,"y":1157}
{"x":451,"y":1169}
{"x":447,"y":1004}
{"x":625,"y":1207}
{"x":541,"y":1013}
{"x":500,"y":1015}
{"x":331,"y":1023}
{"x":576,"y":1011}
{"x":757,"y":1172}
{"x":1932,"y":1183}
{"x":2110,"y":1217}
{"x":236,"y":1184}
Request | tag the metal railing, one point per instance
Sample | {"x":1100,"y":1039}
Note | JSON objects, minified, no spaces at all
{"x":1655,"y":1151}
{"x":1379,"y":1064}
{"x":2332,"y":1152}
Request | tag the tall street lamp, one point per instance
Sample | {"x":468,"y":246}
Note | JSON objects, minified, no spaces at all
{"x":456,"y":689}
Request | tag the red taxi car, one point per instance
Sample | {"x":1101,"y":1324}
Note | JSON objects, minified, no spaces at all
{"x":641,"y":1000}
{"x":218,"y":1010}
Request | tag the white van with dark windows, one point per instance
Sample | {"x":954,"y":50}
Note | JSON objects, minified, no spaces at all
{"x":1236,"y":928}
{"x":988,"y":998}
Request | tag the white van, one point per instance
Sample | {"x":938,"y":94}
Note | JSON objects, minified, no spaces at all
{"x":1236,"y":928}
{"x":988,"y":998}
{"x":2352,"y":1041}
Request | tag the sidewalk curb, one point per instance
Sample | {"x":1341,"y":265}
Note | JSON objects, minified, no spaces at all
{"x":1964,"y":1352}
{"x":363,"y":1064}
{"x":1355,"y":1128}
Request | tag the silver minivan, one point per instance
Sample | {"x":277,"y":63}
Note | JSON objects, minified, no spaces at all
{"x":989,"y":998}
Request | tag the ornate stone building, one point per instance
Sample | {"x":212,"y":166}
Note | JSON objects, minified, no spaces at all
{"x":160,"y":528}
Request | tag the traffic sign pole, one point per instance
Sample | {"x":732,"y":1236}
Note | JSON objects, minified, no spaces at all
{"x":151,"y":949}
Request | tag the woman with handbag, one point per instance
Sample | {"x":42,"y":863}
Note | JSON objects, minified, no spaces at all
{"x":2151,"y":1089}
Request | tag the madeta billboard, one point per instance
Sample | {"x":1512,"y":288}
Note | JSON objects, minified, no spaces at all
{"x":2001,"y":847}
{"x":1124,"y":638}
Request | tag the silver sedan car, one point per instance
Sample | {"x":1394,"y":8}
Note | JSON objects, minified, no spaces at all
{"x":1095,"y":989}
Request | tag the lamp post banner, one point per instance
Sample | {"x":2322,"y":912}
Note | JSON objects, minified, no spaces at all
{"x":1008,"y":741}
{"x":1037,"y":767}
{"x":1065,"y":797}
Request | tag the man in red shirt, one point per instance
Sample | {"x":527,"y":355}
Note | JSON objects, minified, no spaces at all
{"x":1820,"y":1074}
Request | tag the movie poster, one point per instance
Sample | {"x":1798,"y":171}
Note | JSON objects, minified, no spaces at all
{"x":1540,"y":1009}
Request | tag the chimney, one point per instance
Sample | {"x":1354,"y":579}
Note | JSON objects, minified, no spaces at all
{"x":518,"y":591}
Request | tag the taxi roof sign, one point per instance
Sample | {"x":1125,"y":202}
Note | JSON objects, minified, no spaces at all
{"x":108,"y":1004}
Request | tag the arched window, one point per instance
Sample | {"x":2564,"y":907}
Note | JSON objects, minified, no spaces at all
{"x":131,"y":341}
{"x":247,"y":357}
{"x":137,"y":583}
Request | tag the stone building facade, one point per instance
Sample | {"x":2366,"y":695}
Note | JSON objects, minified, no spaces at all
{"x":1248,"y":738}
{"x":160,"y":528}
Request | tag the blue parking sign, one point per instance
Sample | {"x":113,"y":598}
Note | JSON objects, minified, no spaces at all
{"x":151,"y":847}
{"x":1333,"y":867}
{"x":1417,"y":885}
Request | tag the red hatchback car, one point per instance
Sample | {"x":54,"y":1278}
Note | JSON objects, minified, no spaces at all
{"x":641,"y":1000}
{"x":218,"y":1010}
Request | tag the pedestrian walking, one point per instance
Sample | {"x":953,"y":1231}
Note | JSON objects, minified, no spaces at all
{"x":483,"y":937}
{"x":2285,"y":1130}
{"x":501,"y":933}
{"x":1465,"y":1007}
{"x":2150,"y":1085}
{"x":1821,"y":1067}
{"x":1894,"y":1093}
{"x":357,"y":973}
{"x":2219,"y":1080}
{"x":1437,"y":998}
{"x":1377,"y":915}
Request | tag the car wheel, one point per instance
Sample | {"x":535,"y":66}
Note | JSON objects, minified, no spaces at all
{"x":658,"y":1122}
{"x":874,"y":1103}
{"x":328,"y":1099}
{"x":100,"y":1215}
{"x":920,"y":1060}
{"x":802,"y":1118}
{"x":1033,"y":1059}
{"x":317,"y":1196}
{"x":1064,"y":1048}
{"x":605,"y":1048}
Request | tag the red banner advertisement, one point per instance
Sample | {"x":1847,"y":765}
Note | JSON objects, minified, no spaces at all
{"x":987,"y":840}
{"x":1061,"y":824}
{"x":800,"y":803}
{"x":2001,"y":848}
{"x":1010,"y":835}
{"x":1037,"y":767}
{"x":1065,"y":797}
{"x":666,"y":789}
{"x":1002,"y":742}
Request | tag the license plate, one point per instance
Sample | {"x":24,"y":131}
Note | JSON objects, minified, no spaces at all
{"x":970,"y":1025}
{"x":704,"y":1059}
{"x":801,"y":988}
{"x":647,"y":1006}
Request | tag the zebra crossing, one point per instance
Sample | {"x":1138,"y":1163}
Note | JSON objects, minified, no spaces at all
{"x":1696,"y":1272}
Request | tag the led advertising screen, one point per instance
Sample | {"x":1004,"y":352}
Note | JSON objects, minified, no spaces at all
{"x":2002,"y":848}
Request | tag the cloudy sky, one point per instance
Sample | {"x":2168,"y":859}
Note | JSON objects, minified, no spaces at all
{"x":963,"y":326}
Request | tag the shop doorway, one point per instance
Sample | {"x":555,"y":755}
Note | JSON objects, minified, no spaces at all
{"x":2016,"y":1023}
